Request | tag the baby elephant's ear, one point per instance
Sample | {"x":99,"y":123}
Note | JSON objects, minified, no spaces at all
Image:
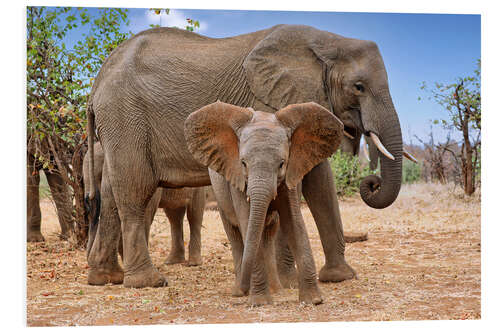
{"x":316,"y":134}
{"x":210,"y":134}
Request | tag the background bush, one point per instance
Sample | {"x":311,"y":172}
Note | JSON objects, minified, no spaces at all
{"x":348,"y":172}
{"x":412,"y":172}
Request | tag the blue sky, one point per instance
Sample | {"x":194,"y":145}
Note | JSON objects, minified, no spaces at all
{"x":415,"y":47}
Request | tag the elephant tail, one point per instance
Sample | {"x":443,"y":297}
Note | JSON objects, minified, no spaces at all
{"x":90,"y":135}
{"x":92,"y":201}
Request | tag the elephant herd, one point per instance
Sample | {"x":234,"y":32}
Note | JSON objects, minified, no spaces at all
{"x":255,"y":116}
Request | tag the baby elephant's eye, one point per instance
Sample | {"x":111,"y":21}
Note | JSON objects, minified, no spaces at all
{"x":243,"y":163}
{"x":282,"y":164}
{"x":359,"y":87}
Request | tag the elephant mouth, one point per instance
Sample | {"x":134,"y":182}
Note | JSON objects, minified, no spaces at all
{"x":350,"y":132}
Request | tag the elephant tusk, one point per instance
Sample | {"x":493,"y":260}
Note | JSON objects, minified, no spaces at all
{"x":248,"y":199}
{"x":348,"y":135}
{"x":365,"y":151}
{"x":409,"y":156}
{"x":380,"y":146}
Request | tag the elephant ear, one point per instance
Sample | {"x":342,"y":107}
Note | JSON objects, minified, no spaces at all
{"x":315,"y":134}
{"x":211,"y":138}
{"x":282,"y":69}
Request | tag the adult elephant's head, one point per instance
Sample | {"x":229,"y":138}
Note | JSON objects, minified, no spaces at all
{"x":257,"y":151}
{"x":295,"y":64}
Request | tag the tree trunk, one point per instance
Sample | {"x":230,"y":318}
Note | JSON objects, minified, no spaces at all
{"x":468,"y":169}
{"x":81,"y":225}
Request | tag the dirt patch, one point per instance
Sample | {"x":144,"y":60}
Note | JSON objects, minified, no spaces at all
{"x":421,"y":261}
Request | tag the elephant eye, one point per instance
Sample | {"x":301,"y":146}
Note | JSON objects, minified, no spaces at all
{"x":359,"y":87}
{"x":244,"y":163}
{"x":282,"y":163}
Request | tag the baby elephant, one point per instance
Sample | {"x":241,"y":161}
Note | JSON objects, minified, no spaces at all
{"x":175,"y":203}
{"x":256,"y":160}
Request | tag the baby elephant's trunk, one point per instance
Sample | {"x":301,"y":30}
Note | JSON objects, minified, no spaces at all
{"x":261,"y":192}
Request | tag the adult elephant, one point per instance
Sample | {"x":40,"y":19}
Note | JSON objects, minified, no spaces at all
{"x":150,"y":84}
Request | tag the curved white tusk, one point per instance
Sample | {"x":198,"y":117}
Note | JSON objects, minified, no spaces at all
{"x":348,"y":135}
{"x":365,"y":151}
{"x":409,"y":156}
{"x":380,"y":146}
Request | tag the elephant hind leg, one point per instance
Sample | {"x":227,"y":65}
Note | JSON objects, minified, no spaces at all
{"x":176,"y":219}
{"x":269,"y":237}
{"x":102,"y":252}
{"x":285,"y":262}
{"x":195,"y":217}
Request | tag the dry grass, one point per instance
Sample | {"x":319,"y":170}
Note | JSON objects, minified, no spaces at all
{"x":421,"y":261}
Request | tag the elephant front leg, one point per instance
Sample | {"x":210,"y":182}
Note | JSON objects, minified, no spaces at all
{"x":321,"y":196}
{"x":260,"y":293}
{"x":293,"y":227}
{"x":234,"y":236}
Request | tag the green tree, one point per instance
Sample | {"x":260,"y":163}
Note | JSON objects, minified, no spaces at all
{"x":58,"y":80}
{"x":190,"y":26}
{"x":462,"y":100}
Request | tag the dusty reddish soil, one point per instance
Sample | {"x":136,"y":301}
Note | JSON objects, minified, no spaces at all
{"x":421,"y":261}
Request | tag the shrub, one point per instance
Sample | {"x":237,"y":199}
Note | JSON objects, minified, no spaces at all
{"x":348,"y":173}
{"x":412,"y":172}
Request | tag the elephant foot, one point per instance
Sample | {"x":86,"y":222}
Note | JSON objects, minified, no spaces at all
{"x":288,"y":279}
{"x":150,"y":277}
{"x":236,"y":291}
{"x":175,"y":258}
{"x":310,"y":295}
{"x":260,"y":299}
{"x":194,"y":261}
{"x":337,"y":273}
{"x":353,"y":237}
{"x":102,"y":276}
{"x":274,"y":283}
{"x":35,"y":236}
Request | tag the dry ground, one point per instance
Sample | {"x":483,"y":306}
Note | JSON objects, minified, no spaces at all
{"x":421,"y":261}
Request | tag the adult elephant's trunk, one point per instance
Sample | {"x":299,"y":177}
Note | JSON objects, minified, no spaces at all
{"x":381,"y":192}
{"x":260,"y":191}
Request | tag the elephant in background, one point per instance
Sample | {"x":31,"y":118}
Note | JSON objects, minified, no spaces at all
{"x":60,"y":194}
{"x":176,"y":203}
{"x":150,"y":84}
{"x":256,"y":161}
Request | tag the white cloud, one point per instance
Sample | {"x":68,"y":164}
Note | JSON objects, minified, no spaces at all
{"x":175,"y":18}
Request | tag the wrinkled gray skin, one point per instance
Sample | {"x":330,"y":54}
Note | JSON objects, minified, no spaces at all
{"x":150,"y":84}
{"x":256,"y":160}
{"x":60,"y":195}
{"x":175,"y":203}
